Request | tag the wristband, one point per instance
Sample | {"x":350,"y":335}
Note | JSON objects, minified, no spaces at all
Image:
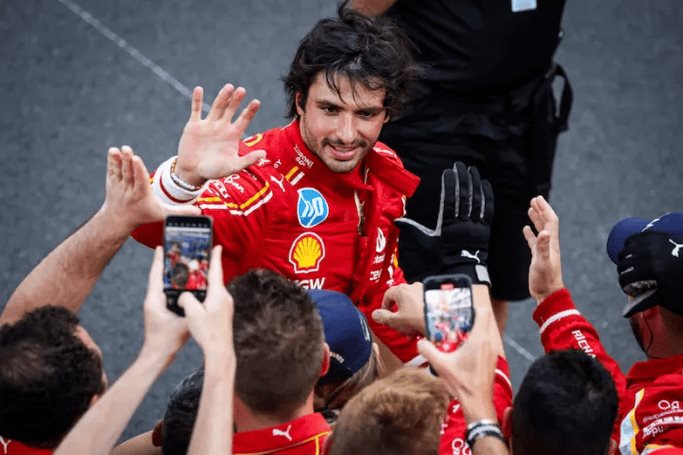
{"x":180,"y":182}
{"x":166,"y":188}
{"x":482,"y":429}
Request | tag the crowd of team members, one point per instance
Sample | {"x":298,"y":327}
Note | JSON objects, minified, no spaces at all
{"x":289,"y":370}
{"x":305,"y":372}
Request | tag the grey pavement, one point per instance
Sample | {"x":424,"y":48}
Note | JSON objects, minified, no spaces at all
{"x":76,"y":77}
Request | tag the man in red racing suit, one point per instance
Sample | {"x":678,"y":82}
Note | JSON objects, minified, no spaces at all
{"x":292,"y":214}
{"x":314,"y":200}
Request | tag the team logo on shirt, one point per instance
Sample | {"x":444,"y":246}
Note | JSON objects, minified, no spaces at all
{"x":312,"y":208}
{"x":381,"y":241}
{"x":307,"y":252}
{"x":253,"y":140}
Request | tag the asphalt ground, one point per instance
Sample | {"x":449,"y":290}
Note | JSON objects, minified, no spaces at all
{"x":78,"y":76}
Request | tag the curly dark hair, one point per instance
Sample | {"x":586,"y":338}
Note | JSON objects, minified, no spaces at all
{"x":48,"y":377}
{"x":371,"y":50}
{"x":278,"y":342}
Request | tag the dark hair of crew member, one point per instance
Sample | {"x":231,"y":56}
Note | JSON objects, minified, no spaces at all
{"x":48,"y":377}
{"x":278,"y":343}
{"x":373,"y":51}
{"x":566,"y":404}
{"x":181,"y":414}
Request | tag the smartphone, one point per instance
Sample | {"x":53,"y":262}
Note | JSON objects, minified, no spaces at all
{"x":449,"y":313}
{"x":187,"y":250}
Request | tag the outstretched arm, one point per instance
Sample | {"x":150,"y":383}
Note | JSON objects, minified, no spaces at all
{"x":67,"y":275}
{"x":545,"y":271}
{"x":165,"y":334}
{"x":211,"y":326}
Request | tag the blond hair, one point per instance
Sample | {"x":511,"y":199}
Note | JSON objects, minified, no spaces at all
{"x":400,"y":414}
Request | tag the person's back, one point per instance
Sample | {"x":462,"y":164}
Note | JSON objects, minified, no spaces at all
{"x":280,"y":355}
{"x":486,"y":98}
{"x":480,"y":47}
{"x":48,"y":379}
{"x":566,"y":405}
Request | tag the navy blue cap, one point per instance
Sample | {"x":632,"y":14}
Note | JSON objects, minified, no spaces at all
{"x":346,"y":333}
{"x":670,"y":223}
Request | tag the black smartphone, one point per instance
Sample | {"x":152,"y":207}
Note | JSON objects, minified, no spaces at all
{"x":187,"y":250}
{"x":449,"y":313}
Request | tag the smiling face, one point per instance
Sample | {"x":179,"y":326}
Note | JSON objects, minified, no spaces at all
{"x":341,"y":128}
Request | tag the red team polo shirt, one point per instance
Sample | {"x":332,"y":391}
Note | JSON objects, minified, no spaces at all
{"x":650,"y":416}
{"x":305,"y":435}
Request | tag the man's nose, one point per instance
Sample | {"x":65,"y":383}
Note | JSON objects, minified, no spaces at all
{"x":346,"y":129}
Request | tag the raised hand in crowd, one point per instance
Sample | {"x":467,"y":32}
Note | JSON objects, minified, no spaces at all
{"x":209,"y":147}
{"x":67,"y":275}
{"x":469,"y":371}
{"x":165,"y":333}
{"x":460,"y":241}
{"x":210,"y":324}
{"x":545,"y":271}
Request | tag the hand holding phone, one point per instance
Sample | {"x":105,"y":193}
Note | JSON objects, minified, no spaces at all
{"x":187,"y":250}
{"x":448,"y":310}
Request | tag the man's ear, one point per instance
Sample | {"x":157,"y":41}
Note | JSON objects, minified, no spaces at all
{"x":325,"y":366}
{"x":507,"y":422}
{"x":297,"y":103}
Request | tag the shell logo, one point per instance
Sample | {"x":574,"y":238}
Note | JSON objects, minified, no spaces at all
{"x":307,"y":252}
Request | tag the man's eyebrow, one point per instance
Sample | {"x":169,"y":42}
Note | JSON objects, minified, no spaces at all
{"x":368,"y":109}
{"x":329,"y":103}
{"x":371,"y":109}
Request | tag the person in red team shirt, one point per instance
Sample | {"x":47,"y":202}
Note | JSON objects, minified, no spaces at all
{"x":316,"y":199}
{"x":650,"y":419}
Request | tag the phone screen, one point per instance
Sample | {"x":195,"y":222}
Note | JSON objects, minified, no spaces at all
{"x":448,"y":313}
{"x":187,"y":247}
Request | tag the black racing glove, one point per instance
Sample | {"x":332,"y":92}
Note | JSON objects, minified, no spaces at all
{"x":460,"y":241}
{"x":651,"y":271}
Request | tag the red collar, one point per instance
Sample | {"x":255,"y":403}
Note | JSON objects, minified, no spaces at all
{"x":309,"y":429}
{"x":12,"y":447}
{"x":390,"y":171}
{"x":655,"y":368}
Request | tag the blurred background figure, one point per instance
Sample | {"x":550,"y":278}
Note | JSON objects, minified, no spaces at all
{"x":486,"y":98}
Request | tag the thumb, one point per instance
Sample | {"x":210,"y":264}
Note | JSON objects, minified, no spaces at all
{"x":188,"y":302}
{"x":383,"y":317}
{"x":251,"y":158}
{"x":530,"y":237}
{"x":431,"y":353}
{"x":182,"y":210}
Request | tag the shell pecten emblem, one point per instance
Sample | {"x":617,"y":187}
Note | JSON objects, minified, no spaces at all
{"x":307,"y":252}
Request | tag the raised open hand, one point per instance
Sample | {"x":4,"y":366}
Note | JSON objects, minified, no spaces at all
{"x":129,"y":200}
{"x":545,"y":271}
{"x":208,"y":148}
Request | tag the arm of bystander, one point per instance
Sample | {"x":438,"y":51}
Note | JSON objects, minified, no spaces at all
{"x":165,"y":334}
{"x":68,"y":274}
{"x":211,"y":326}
